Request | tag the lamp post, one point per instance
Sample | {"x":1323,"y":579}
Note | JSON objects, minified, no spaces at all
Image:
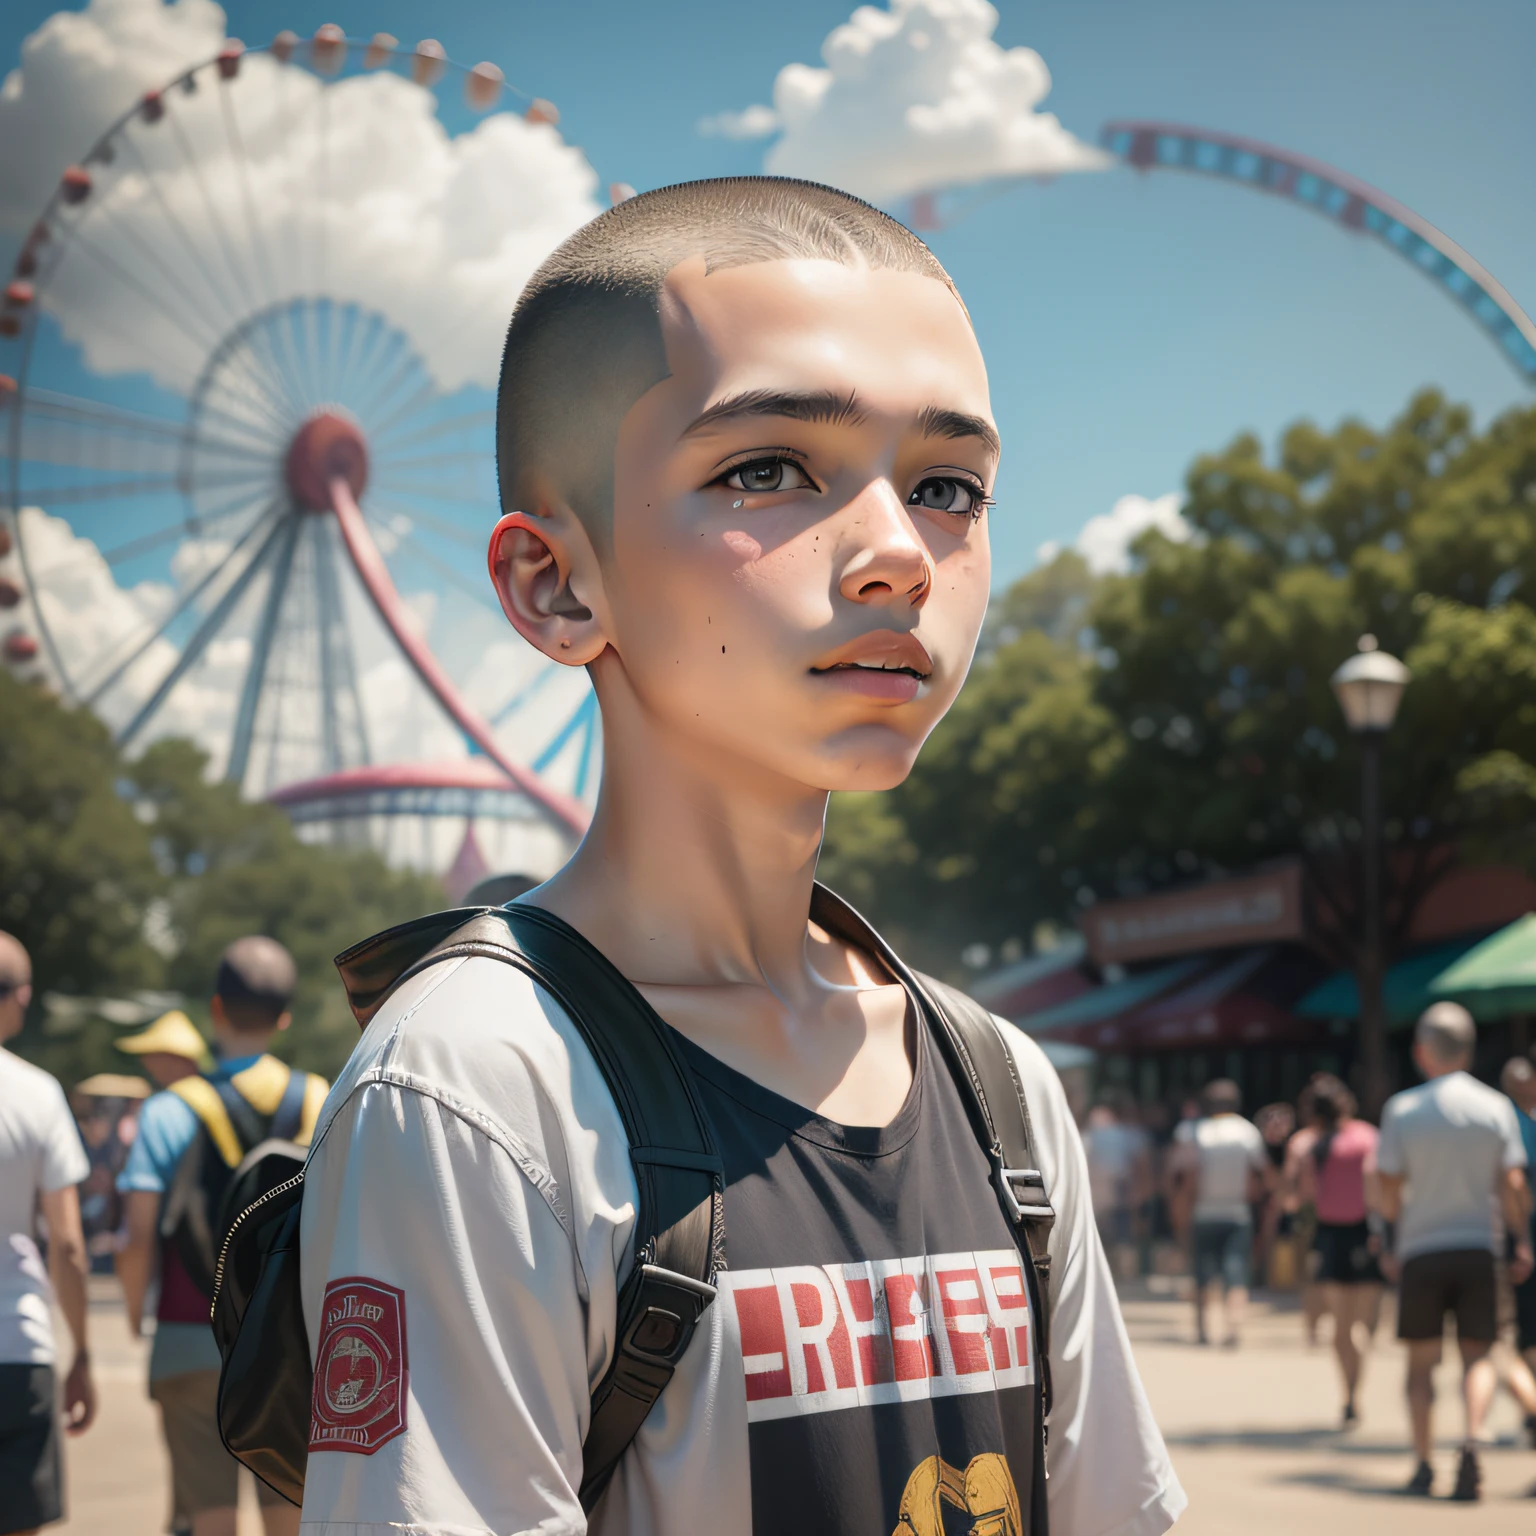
{"x":1369,"y":687}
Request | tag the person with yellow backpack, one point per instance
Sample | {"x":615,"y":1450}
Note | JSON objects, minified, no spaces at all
{"x":193,"y":1140}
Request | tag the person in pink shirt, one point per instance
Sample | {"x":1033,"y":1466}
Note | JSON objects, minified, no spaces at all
{"x":1333,"y":1177}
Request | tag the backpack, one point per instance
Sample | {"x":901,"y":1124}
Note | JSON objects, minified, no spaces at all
{"x":212,"y":1177}
{"x":679,"y":1239}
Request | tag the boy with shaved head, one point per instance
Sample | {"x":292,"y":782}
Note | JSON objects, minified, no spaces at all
{"x":746,"y":455}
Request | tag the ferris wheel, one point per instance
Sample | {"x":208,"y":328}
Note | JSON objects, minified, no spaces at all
{"x":247,"y":362}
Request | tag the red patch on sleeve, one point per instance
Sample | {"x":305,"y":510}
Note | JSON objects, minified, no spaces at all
{"x":361,"y":1372}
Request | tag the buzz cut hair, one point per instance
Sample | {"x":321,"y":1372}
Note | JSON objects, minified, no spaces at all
{"x":585,"y":340}
{"x":256,"y":982}
{"x":1447,"y":1032}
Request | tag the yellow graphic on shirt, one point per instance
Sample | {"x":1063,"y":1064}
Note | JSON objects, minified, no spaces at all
{"x":985,"y":1491}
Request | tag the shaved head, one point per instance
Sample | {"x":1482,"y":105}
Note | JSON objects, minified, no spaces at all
{"x":15,"y":963}
{"x":1446,"y":1033}
{"x":15,"y":984}
{"x":586,"y":342}
{"x":256,"y":982}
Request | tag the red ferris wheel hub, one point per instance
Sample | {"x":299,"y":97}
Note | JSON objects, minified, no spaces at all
{"x":327,"y":447}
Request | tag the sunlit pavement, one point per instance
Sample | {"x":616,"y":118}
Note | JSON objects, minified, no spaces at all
{"x":117,"y":1475}
{"x":1251,"y":1431}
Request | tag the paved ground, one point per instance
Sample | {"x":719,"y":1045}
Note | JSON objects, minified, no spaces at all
{"x":1251,"y":1433}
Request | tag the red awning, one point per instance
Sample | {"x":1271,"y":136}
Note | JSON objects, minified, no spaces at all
{"x":1234,"y":1000}
{"x":1246,"y":999}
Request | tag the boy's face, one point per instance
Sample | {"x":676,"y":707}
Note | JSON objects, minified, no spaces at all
{"x":799,"y":564}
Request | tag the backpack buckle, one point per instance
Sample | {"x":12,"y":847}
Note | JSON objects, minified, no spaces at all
{"x":658,"y":1324}
{"x":1023,"y":1192}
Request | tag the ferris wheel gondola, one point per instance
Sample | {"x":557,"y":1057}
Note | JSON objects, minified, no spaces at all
{"x":225,"y":415}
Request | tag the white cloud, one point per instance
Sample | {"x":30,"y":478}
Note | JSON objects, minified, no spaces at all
{"x":914,"y":99}
{"x":1105,"y":541}
{"x":754,"y":122}
{"x":353,"y":189}
{"x":80,"y":71}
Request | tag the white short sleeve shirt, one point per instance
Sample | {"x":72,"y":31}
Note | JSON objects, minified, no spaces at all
{"x":40,"y":1151}
{"x":471,"y":1184}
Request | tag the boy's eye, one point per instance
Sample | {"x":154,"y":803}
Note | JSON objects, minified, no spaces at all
{"x":945,"y":493}
{"x":767,"y":475}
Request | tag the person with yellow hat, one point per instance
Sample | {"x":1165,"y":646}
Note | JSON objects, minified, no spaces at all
{"x":191,"y":1138}
{"x":169,"y":1050}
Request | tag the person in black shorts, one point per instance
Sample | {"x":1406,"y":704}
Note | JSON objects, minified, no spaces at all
{"x":1451,"y":1163}
{"x":1332,"y":1178}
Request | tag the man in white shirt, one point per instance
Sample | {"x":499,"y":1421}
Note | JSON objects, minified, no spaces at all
{"x":1222,"y":1157}
{"x":745,"y":429}
{"x":41,"y":1162}
{"x":1451,"y":1169}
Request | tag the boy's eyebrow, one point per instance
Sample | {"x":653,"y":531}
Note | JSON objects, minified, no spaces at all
{"x":827,"y":406}
{"x":817,"y":405}
{"x":936,"y":421}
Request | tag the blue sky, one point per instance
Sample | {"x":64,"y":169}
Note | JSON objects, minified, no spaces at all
{"x":1129,"y":323}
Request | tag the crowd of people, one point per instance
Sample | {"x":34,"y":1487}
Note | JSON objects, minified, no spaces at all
{"x":1435,"y":1205}
{"x":122,"y":1178}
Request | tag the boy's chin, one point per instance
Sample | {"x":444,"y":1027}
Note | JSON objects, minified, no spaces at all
{"x":866,"y":772}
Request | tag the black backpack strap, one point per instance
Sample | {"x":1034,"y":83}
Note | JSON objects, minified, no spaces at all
{"x":249,"y":1126}
{"x":679,"y":1238}
{"x":289,"y":1114}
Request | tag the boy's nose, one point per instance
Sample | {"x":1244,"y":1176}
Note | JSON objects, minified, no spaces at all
{"x":888,"y":560}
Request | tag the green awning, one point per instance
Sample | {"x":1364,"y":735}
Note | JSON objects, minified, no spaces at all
{"x":1496,"y":978}
{"x":1406,"y":990}
{"x":1106,"y":1002}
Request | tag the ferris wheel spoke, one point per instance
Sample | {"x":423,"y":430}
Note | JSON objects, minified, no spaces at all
{"x":244,"y":289}
{"x":273,"y":375}
{"x":217,"y":617}
{"x":539,"y":680}
{"x":271,"y":415}
{"x":196,"y":259}
{"x":417,"y":461}
{"x":116,"y":490}
{"x":287,"y":537}
{"x":435,"y":493}
{"x":468,"y":537}
{"x":148,"y":543}
{"x":212,"y":328}
{"x":449,"y":573}
{"x":236,"y":142}
{"x":202,"y":342}
{"x":179,"y":607}
{"x":467,"y":421}
{"x":424,"y":395}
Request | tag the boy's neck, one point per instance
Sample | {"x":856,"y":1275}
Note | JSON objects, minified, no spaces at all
{"x":696,"y":871}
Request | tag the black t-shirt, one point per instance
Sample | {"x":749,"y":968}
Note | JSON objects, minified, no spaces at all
{"x":884,"y":1316}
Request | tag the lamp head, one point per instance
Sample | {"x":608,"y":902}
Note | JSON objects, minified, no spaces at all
{"x":1369,"y":687}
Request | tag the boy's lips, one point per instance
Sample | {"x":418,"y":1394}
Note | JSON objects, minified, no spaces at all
{"x":884,"y":665}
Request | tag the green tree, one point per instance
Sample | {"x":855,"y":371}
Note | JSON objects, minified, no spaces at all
{"x":235,"y":867}
{"x":77,"y":872}
{"x":1192,"y":729}
{"x":123,"y":876}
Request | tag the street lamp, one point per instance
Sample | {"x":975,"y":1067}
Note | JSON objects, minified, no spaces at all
{"x":1369,"y":687}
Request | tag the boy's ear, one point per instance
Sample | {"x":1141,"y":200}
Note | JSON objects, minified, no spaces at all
{"x":540,"y":563}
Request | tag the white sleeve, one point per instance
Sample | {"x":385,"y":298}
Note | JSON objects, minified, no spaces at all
{"x":64,"y":1161}
{"x":1109,"y":1470}
{"x":1509,"y":1133}
{"x":410,"y":1195}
